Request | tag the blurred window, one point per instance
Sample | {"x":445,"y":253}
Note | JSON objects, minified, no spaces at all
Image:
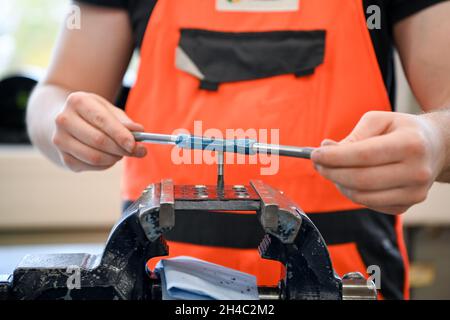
{"x":28,"y":29}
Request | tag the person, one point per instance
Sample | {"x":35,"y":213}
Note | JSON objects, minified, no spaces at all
{"x":318,"y":71}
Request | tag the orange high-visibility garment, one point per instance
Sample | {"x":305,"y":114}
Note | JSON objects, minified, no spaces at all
{"x":314,"y":78}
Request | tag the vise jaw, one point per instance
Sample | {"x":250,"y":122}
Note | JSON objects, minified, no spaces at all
{"x":120,"y":271}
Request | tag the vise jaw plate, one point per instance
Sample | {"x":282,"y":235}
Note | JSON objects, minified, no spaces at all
{"x":157,"y":209}
{"x":278,"y":215}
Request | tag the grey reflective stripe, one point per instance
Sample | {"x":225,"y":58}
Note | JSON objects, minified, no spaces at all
{"x":184,"y":63}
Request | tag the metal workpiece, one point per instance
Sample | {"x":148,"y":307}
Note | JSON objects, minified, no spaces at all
{"x":240,"y":146}
{"x":155,"y":138}
{"x":187,"y":141}
{"x":285,"y":151}
{"x":356,"y":287}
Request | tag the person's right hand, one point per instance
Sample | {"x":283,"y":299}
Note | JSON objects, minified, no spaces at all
{"x":92,"y":134}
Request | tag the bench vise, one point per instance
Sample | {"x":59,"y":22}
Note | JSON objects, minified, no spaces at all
{"x":120,"y":272}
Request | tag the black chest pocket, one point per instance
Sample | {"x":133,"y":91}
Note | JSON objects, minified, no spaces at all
{"x":222,"y":57}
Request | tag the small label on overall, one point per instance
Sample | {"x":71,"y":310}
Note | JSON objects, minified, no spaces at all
{"x":258,"y":5}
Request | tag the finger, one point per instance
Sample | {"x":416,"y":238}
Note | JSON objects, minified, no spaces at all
{"x":399,"y":197}
{"x":126,"y":121}
{"x":77,"y":166}
{"x":134,"y":127}
{"x":371,"y":124}
{"x":324,"y":143}
{"x":380,"y":150}
{"x":68,"y":144}
{"x":99,"y":117}
{"x":120,"y":114}
{"x":93,"y":137}
{"x":376,"y":178}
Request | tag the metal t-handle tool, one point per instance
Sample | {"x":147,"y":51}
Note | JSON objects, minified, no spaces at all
{"x":242,"y":146}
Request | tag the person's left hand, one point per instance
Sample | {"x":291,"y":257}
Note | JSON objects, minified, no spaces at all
{"x":388,"y":163}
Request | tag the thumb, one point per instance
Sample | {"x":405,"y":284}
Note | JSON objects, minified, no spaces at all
{"x":371,"y":124}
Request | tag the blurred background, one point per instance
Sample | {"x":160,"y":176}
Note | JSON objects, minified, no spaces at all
{"x":46,"y":209}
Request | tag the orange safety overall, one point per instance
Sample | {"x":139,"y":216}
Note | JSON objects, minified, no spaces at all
{"x":310,"y":72}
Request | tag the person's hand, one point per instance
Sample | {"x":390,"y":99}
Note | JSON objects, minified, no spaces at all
{"x":92,"y":134}
{"x":388,"y":163}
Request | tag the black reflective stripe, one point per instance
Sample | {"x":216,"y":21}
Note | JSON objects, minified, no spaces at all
{"x":373,"y":233}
